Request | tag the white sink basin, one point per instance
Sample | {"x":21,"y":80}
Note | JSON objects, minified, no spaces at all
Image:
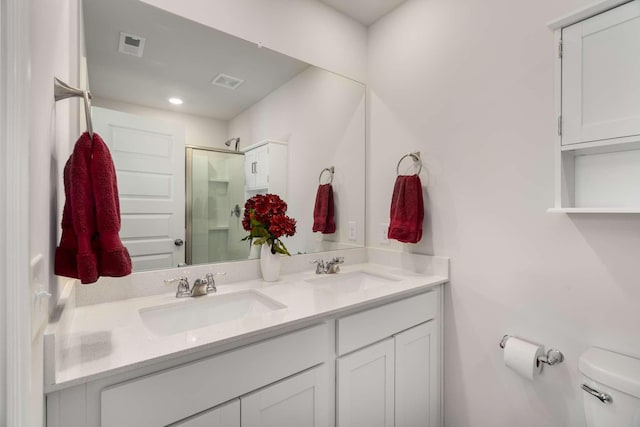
{"x":203,"y":311}
{"x":352,"y":281}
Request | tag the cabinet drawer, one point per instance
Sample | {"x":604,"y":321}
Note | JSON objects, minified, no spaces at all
{"x":364,"y":328}
{"x":175,"y":394}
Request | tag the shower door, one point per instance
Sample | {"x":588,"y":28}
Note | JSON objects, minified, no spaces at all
{"x":214,"y":205}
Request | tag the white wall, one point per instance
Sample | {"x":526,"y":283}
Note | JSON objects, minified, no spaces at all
{"x":470,"y":84}
{"x":321,"y":115}
{"x":305,"y":29}
{"x":199,"y":130}
{"x":54,"y":127}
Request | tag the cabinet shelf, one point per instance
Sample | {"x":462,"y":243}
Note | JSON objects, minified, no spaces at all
{"x":594,"y":210}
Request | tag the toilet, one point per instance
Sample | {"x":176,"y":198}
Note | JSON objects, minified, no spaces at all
{"x":611,"y":388}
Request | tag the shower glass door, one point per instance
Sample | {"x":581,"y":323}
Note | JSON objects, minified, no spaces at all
{"x":214,"y":205}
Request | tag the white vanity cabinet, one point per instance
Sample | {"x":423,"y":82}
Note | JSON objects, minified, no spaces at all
{"x":227,"y":415}
{"x":375,"y":366}
{"x":265,"y":167}
{"x":597,"y":79}
{"x":395,"y":381}
{"x":299,"y":401}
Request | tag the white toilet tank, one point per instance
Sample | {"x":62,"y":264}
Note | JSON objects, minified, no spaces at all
{"x":611,"y":384}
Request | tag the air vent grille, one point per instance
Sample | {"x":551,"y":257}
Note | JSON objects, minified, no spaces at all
{"x":131,"y":45}
{"x":227,"y":81}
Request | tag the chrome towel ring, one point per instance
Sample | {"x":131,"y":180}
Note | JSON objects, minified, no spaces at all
{"x":331,"y":171}
{"x":416,"y":159}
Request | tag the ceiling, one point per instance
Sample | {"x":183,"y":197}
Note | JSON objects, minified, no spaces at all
{"x":180,"y":59}
{"x":364,"y":11}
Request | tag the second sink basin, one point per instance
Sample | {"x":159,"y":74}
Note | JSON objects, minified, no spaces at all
{"x":199,"y":312}
{"x":352,"y":281}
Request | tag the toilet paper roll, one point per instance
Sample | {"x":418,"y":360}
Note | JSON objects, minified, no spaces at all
{"x":522,"y":357}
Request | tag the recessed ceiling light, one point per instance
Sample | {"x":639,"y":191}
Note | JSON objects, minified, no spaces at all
{"x":175,"y":101}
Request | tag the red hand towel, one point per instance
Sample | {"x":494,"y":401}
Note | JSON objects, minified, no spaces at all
{"x":90,"y":245}
{"x":323,"y":212}
{"x":407,"y":210}
{"x":113,"y":257}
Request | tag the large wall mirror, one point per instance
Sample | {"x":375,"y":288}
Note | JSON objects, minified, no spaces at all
{"x":251,"y":121}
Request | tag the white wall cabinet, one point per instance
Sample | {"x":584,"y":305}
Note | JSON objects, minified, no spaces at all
{"x":299,"y":401}
{"x":387,"y":373}
{"x":266,"y":168}
{"x":598,"y":105}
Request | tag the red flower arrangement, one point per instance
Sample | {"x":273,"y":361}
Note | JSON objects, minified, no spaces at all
{"x":266,"y":222}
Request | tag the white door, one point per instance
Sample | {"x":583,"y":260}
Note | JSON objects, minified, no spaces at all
{"x":227,"y":415}
{"x":299,"y":401}
{"x":418,"y":377}
{"x":601,"y":76}
{"x":149,"y":158}
{"x":365,"y":390}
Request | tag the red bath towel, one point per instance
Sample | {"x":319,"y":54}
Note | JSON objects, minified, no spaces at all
{"x":90,"y":245}
{"x":407,"y":210}
{"x":323,"y":212}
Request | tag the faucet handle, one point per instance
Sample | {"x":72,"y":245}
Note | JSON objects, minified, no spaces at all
{"x":183,"y":286}
{"x":211,"y":283}
{"x":320,"y":266}
{"x":338,"y":260}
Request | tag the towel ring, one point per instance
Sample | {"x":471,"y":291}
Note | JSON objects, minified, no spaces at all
{"x":416,"y":158}
{"x":331,"y":170}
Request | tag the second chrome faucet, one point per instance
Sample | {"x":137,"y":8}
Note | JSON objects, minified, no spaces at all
{"x":328,"y":267}
{"x":200,"y":287}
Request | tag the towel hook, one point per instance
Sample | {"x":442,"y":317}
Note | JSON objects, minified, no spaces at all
{"x":416,"y":158}
{"x":61,"y":90}
{"x":331,"y":171}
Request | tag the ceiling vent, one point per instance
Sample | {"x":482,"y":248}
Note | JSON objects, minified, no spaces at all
{"x":131,"y":45}
{"x":229,"y":82}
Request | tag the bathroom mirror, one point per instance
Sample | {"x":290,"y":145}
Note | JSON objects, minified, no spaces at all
{"x":182,"y":189}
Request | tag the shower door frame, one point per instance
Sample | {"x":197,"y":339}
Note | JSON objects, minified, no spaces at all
{"x":188,"y":214}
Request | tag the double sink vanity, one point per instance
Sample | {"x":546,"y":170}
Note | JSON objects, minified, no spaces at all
{"x":361,"y":347}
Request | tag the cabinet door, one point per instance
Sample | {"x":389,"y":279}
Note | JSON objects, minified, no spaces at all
{"x":262,"y":166}
{"x":227,"y":415}
{"x":366,"y":386}
{"x":299,"y":401}
{"x":249,"y":168}
{"x":601,"y":76}
{"x":418,"y":377}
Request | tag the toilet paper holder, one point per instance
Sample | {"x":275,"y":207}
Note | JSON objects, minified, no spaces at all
{"x":551,"y":358}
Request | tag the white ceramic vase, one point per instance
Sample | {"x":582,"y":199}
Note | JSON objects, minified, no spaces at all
{"x":269,"y":264}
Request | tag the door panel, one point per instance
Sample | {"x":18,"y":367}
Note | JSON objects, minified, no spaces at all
{"x":149,"y":158}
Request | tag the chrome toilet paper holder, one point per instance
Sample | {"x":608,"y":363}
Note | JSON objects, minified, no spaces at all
{"x":552,"y":357}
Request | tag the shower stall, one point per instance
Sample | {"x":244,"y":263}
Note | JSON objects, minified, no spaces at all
{"x":214,"y":205}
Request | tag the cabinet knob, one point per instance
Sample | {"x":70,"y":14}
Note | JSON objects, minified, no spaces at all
{"x":178,"y":242}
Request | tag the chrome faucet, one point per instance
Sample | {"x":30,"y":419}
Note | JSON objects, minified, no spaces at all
{"x":328,"y":267}
{"x":200,"y":287}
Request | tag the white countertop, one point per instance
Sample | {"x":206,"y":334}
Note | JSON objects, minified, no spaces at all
{"x":96,"y":341}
